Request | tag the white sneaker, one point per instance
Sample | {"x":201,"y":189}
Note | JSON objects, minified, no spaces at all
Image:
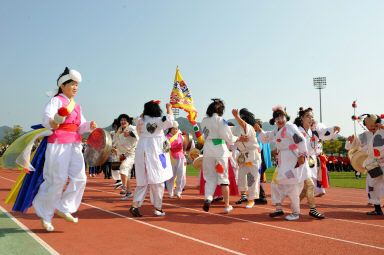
{"x":227,"y":210}
{"x":117,"y":183}
{"x":159,"y":212}
{"x":250,"y":204}
{"x":129,"y":195}
{"x":178,"y":196}
{"x":292,"y":217}
{"x":68,"y":217}
{"x":171,"y":196}
{"x":47,"y":225}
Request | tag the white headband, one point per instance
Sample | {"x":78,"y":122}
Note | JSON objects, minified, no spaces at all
{"x":73,"y":75}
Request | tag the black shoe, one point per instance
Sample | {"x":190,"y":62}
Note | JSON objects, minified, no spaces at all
{"x":275,"y":214}
{"x":206,"y":205}
{"x":261,"y":201}
{"x":314,"y":213}
{"x":118,"y":186}
{"x":375,"y":213}
{"x":217,"y":199}
{"x":135,"y":212}
{"x":242,"y":199}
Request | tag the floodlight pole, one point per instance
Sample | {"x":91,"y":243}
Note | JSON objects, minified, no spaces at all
{"x":320,"y":83}
{"x":321,"y":116}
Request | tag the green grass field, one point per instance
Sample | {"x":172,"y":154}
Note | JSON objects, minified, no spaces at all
{"x":337,"y":179}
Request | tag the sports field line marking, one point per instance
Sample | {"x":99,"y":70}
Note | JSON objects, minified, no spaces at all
{"x":239,"y":219}
{"x":7,"y":179}
{"x":348,"y":194}
{"x":123,"y":216}
{"x":166,"y":230}
{"x":345,"y":209}
{"x":356,"y":222}
{"x":282,"y":228}
{"x":266,"y":208}
{"x":336,"y":200}
{"x":329,"y":218}
{"x":27,"y":230}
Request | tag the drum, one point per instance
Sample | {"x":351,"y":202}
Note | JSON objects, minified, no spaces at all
{"x":198,"y":162}
{"x":357,"y":159}
{"x":187,"y":141}
{"x":116,"y":165}
{"x":311,"y":162}
{"x":193,"y":154}
{"x":241,"y":159}
{"x":98,"y":148}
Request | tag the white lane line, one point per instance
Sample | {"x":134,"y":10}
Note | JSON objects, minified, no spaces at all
{"x":239,"y":219}
{"x":344,"y":201}
{"x":282,"y":228}
{"x":33,"y":235}
{"x":266,"y":208}
{"x":7,"y":179}
{"x":356,"y":222}
{"x":166,"y":230}
{"x":270,"y":209}
{"x":349,"y":221}
{"x":120,"y":215}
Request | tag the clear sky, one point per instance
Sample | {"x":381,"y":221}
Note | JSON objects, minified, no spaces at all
{"x":253,"y":54}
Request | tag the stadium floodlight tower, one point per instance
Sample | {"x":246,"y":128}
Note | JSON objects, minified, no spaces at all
{"x":320,"y":83}
{"x":176,"y":112}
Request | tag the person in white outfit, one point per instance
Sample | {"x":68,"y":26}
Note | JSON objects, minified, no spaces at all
{"x":216,"y":134}
{"x":124,"y":143}
{"x":115,"y":168}
{"x":372,"y":143}
{"x":63,"y":156}
{"x":291,"y":170}
{"x":304,"y":122}
{"x":152,"y":161}
{"x":249,"y":165}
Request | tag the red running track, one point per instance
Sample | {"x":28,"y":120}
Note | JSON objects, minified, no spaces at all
{"x":106,"y":227}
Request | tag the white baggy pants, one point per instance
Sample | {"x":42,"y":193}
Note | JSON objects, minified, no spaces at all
{"x":156,"y":194}
{"x":375,"y":188}
{"x":179,"y":170}
{"x":249,"y":180}
{"x":211,"y":175}
{"x":62,"y":161}
{"x":280,"y":191}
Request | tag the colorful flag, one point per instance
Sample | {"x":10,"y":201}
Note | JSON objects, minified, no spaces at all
{"x":181,"y":98}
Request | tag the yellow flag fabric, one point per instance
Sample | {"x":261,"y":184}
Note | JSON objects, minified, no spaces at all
{"x":181,"y":97}
{"x":18,"y":154}
{"x":12,"y":195}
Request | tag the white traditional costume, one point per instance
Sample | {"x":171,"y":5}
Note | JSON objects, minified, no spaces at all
{"x":311,"y":138}
{"x":288,"y":178}
{"x":249,"y":161}
{"x":126,"y":147}
{"x":63,"y":159}
{"x":152,"y":161}
{"x":215,"y":162}
{"x":115,"y":161}
{"x":373,"y":146}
